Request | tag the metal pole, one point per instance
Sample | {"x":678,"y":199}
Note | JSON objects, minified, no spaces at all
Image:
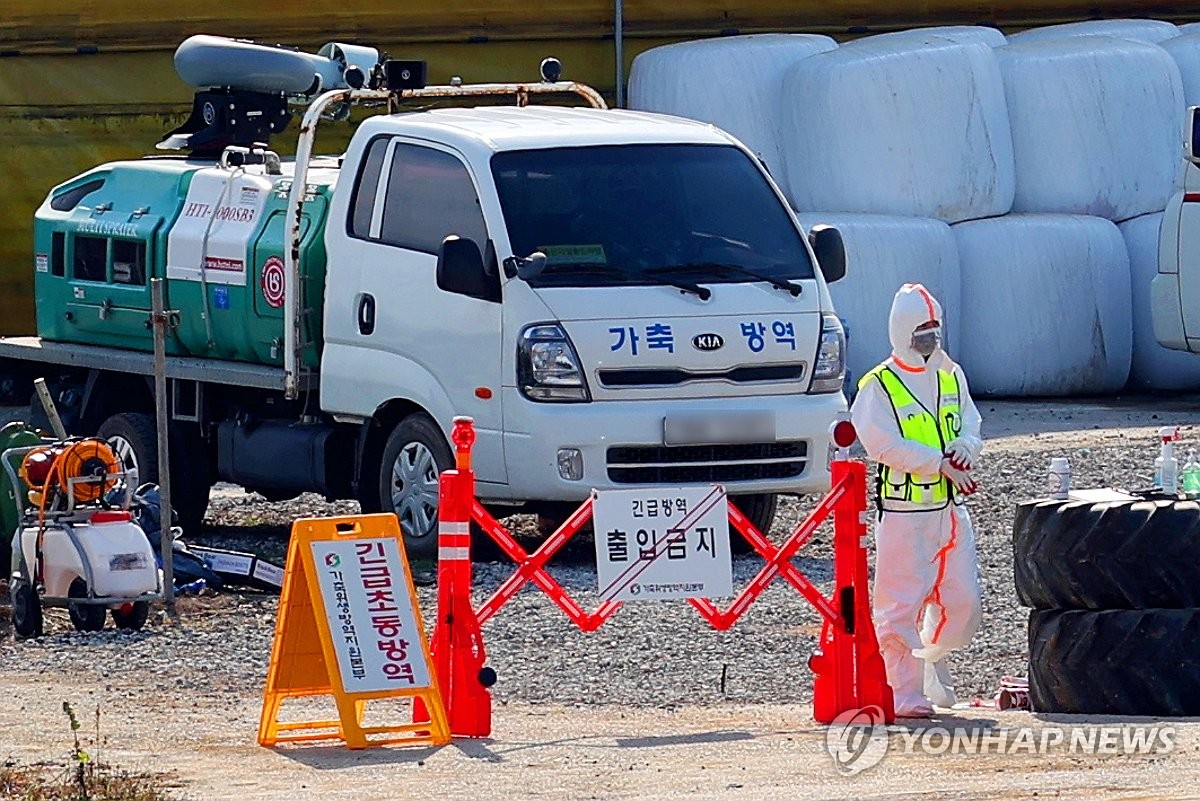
{"x":56,"y":423}
{"x":166,"y":539}
{"x":619,"y":39}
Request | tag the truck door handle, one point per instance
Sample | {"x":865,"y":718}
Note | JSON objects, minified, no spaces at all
{"x":366,"y":314}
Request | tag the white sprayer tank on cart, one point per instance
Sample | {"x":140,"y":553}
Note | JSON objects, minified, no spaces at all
{"x":121,"y":557}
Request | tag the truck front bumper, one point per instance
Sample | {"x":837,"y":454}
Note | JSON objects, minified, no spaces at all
{"x":621,"y":444}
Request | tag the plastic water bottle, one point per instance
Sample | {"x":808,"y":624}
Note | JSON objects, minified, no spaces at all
{"x":1060,"y":478}
{"x":1191,"y":476}
{"x":1169,"y":471}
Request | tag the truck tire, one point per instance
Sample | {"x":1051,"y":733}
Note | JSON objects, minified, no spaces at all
{"x":134,"y":438}
{"x":1115,"y":662}
{"x":415,"y":455}
{"x":1120,"y":555}
{"x":760,"y":509}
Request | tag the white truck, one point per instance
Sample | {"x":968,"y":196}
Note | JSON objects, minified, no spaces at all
{"x":618,"y":299}
{"x":1175,"y":291}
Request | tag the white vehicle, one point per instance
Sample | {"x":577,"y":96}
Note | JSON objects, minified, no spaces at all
{"x":617,"y":299}
{"x":1175,"y":291}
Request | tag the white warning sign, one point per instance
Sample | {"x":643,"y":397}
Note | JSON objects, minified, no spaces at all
{"x":662,"y":542}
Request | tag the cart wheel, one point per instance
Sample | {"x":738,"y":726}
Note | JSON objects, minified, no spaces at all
{"x":84,"y":617}
{"x":135,"y":619}
{"x":26,"y":611}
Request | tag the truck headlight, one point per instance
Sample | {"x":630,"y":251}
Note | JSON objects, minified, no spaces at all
{"x":830,"y":366}
{"x":548,"y":368}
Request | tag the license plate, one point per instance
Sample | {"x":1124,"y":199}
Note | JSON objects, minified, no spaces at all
{"x":719,"y":429}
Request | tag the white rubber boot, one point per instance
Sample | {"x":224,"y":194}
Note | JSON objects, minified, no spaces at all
{"x":939,"y":687}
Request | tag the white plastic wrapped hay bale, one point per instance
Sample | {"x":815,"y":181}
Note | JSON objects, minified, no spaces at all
{"x":1096,"y":125}
{"x":732,"y":82}
{"x":912,"y":125}
{"x":882,"y":254}
{"x":1186,"y":52}
{"x":1046,"y":307}
{"x":1143,"y":30}
{"x":955,"y":33}
{"x":1188,"y":28}
{"x":1154,"y":367}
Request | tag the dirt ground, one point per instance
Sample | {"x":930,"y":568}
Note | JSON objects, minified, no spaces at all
{"x":551,"y":752}
{"x":206,"y":744}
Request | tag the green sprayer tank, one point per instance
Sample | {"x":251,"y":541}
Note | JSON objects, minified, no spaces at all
{"x":215,"y":232}
{"x":12,"y":495}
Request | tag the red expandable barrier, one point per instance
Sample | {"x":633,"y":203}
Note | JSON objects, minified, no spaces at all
{"x":848,"y":668}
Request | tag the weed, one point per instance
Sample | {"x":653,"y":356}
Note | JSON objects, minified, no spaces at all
{"x":84,"y":778}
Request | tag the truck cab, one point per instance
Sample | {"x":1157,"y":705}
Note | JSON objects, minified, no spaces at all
{"x":679,"y":329}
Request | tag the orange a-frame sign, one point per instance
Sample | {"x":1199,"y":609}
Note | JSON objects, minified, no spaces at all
{"x":349,"y":627}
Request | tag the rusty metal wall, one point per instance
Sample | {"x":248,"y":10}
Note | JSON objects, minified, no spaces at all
{"x":27,"y":25}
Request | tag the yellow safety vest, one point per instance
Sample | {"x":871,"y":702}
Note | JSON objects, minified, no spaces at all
{"x":900,"y":491}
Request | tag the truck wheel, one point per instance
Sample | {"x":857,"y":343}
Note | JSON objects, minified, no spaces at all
{"x":139,"y":612}
{"x":1115,"y":662}
{"x":415,"y":455}
{"x":1107,"y":555}
{"x":26,"y":610}
{"x":84,"y":617}
{"x":134,"y":438}
{"x":760,"y":509}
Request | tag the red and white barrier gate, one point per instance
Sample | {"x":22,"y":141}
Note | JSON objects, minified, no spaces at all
{"x":849,"y":671}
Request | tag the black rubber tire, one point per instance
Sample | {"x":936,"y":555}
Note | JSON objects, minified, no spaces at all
{"x":760,"y":509}
{"x":1122,"y":555}
{"x":84,"y":617}
{"x":141,"y":434}
{"x":136,"y":618}
{"x":416,"y":429}
{"x":191,"y":476}
{"x":1115,"y":662}
{"x":26,"y":610}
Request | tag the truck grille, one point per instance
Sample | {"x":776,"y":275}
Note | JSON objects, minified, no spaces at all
{"x":673,"y":376}
{"x":659,"y":464}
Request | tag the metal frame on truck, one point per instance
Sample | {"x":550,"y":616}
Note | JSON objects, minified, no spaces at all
{"x":292,"y":368}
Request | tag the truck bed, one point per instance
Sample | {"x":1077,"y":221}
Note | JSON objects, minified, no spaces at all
{"x":213,"y":371}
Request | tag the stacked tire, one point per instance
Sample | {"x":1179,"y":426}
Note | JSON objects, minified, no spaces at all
{"x":1115,"y":592}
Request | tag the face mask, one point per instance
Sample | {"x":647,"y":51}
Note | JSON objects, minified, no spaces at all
{"x":926,"y":342}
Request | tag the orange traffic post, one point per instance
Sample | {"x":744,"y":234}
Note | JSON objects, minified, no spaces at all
{"x":459,"y":655}
{"x":849,"y":668}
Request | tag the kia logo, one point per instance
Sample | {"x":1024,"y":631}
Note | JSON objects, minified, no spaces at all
{"x":708,"y":342}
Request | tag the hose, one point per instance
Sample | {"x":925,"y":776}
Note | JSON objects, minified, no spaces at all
{"x":82,"y":459}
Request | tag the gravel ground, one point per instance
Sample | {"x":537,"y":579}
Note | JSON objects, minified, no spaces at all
{"x":650,"y":654}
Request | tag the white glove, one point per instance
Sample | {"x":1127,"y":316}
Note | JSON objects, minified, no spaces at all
{"x":961,"y":479}
{"x":960,"y":454}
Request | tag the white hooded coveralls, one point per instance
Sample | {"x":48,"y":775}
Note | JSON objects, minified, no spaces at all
{"x":926,"y":594}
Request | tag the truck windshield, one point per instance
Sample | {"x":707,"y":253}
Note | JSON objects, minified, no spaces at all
{"x":647,"y":214}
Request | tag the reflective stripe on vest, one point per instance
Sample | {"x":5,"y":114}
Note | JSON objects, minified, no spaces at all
{"x":918,"y":424}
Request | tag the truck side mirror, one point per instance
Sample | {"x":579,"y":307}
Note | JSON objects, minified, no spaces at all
{"x":827,"y":243}
{"x":460,"y":270}
{"x":1192,"y":145}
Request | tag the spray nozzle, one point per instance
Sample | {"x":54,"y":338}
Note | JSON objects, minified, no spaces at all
{"x":1168,"y":434}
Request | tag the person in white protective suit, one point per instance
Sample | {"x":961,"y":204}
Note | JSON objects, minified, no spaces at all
{"x":915,"y":417}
